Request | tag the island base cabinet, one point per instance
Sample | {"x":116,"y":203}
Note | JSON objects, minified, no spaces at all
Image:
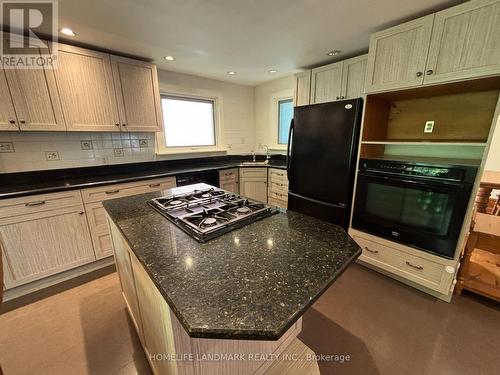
{"x":163,"y":337}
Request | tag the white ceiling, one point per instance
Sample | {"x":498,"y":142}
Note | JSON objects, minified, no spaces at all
{"x":210,"y":37}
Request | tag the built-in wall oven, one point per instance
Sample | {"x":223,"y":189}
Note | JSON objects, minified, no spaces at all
{"x":417,"y":204}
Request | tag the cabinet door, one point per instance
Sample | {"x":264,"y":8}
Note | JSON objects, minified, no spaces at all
{"x":45,"y":243}
{"x":398,"y":56}
{"x":8,"y":120}
{"x":465,"y":42}
{"x":36,"y":99}
{"x":86,"y":89}
{"x":326,"y":83}
{"x":96,"y":216}
{"x":302,"y":90}
{"x":137,"y":93}
{"x":353,"y":77}
{"x":231,"y":186}
{"x":254,"y":188}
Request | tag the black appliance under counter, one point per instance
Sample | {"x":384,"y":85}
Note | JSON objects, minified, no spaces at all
{"x":251,"y":283}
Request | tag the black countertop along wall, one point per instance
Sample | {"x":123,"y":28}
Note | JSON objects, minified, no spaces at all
{"x":52,"y":180}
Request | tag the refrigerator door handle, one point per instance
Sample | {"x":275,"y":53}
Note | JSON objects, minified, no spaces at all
{"x":288,"y":147}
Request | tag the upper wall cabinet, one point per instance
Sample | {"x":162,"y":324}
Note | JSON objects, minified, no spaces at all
{"x":85,"y":82}
{"x":36,"y":99}
{"x":458,"y":43}
{"x":326,"y":83}
{"x":302,"y":88}
{"x":353,"y":77}
{"x":8,"y":120}
{"x":398,"y":55}
{"x":465,"y":42}
{"x":137,"y":94}
{"x":341,"y":80}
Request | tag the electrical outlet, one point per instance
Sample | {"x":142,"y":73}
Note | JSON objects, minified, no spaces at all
{"x":429,"y":127}
{"x":118,"y":152}
{"x":51,"y":155}
{"x":86,"y":145}
{"x":7,"y":147}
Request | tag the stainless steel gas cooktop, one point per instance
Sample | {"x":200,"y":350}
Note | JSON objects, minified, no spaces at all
{"x":209,"y":213}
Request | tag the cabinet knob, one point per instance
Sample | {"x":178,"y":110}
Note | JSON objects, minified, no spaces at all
{"x":419,"y":74}
{"x":124,"y":124}
{"x":117,"y":124}
{"x":342,"y":97}
{"x":429,"y":72}
{"x":337,"y":98}
{"x":22,"y":122}
{"x":12,"y":121}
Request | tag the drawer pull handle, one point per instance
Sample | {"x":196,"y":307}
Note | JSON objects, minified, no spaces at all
{"x":32,"y":204}
{"x":154,"y":185}
{"x":371,"y":251}
{"x":420,"y":268}
{"x":112,"y":191}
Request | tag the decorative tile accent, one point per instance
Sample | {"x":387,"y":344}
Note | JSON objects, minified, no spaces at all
{"x":143,"y":142}
{"x":118,"y":152}
{"x":86,"y":145}
{"x":7,"y":147}
{"x":51,"y":155}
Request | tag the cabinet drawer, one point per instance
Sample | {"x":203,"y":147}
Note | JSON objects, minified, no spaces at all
{"x":278,"y":175}
{"x":278,"y":196}
{"x":228,"y":174}
{"x":278,"y":186}
{"x":103,"y":193}
{"x":254,"y":172}
{"x":420,"y":270}
{"x":39,"y":203}
{"x":277,"y":202}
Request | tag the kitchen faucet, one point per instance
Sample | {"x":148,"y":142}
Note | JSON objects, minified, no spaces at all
{"x":266,"y":147}
{"x":253,"y":156}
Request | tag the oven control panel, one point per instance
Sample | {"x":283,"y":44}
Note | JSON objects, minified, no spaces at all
{"x":417,"y":170}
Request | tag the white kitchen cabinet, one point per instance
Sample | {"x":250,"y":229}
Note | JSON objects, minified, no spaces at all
{"x":398,"y":56}
{"x":354,"y":77}
{"x":342,"y":80}
{"x":277,"y":187}
{"x":137,"y":94}
{"x":326,"y":83}
{"x":465,"y":42}
{"x":8,"y":119}
{"x":228,"y":180}
{"x":45,"y":243}
{"x":302,"y":88}
{"x":253,"y":183}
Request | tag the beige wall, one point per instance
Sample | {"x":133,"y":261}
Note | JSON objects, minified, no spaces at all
{"x":266,"y":124}
{"x":114,"y":148}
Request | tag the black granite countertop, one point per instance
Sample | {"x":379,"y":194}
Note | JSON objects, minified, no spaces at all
{"x":38,"y":182}
{"x":251,"y":283}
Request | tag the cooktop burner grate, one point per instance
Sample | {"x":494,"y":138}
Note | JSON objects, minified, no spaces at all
{"x":209,"y":213}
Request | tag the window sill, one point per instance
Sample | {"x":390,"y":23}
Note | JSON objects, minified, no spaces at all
{"x":185,"y":151}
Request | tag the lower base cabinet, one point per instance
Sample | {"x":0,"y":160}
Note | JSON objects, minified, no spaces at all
{"x":253,"y":183}
{"x":278,"y":187}
{"x":44,"y":243}
{"x":229,"y":180}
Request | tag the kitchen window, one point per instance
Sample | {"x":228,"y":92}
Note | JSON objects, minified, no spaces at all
{"x":189,"y":123}
{"x":285,"y":115}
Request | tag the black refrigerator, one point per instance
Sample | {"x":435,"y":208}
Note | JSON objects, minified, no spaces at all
{"x":321,"y":159}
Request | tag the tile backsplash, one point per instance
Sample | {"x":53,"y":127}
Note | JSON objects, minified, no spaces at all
{"x":39,"y":150}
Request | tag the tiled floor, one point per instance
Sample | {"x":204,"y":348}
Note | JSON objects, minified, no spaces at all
{"x":384,"y":326}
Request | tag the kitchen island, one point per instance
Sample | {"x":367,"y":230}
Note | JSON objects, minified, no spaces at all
{"x":241,"y":294}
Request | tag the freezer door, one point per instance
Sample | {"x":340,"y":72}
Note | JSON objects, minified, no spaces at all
{"x":333,"y":213}
{"x":323,"y":150}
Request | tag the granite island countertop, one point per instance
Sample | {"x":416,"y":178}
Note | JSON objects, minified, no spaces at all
{"x":251,"y":283}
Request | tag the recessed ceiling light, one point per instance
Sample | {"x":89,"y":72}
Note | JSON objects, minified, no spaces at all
{"x":333,"y":53}
{"x":272,"y":71}
{"x":231,"y":73}
{"x":169,"y":58}
{"x":67,"y":31}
